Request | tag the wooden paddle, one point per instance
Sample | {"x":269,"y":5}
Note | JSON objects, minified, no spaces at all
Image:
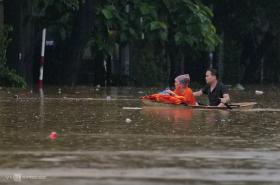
{"x":228,"y":106}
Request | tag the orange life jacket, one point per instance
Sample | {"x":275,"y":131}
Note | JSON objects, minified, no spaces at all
{"x":187,"y":93}
{"x":180,"y":98}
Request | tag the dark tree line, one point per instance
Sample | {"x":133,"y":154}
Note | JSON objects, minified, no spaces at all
{"x":133,"y":42}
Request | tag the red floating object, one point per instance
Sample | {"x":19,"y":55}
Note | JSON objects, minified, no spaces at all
{"x":53,"y":135}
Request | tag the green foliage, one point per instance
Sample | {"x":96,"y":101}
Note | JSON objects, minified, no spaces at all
{"x":7,"y":77}
{"x":4,"y":41}
{"x":162,"y":24}
{"x":159,"y":25}
{"x":58,"y":15}
{"x":187,"y":22}
{"x":149,"y":70}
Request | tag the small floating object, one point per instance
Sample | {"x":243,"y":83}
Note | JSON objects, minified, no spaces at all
{"x":259,"y":92}
{"x":98,"y":87}
{"x":132,"y":108}
{"x":53,"y":135}
{"x":140,"y":92}
{"x":108,"y":98}
{"x":16,"y":96}
{"x":239,"y":87}
{"x":127,"y":120}
{"x":59,"y":91}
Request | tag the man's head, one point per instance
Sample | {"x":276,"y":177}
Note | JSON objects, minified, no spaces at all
{"x":211,"y":76}
{"x":182,"y":81}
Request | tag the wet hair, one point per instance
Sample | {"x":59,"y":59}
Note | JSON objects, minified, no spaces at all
{"x":214,"y":72}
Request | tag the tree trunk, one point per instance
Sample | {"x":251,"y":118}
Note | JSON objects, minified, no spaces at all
{"x":221,"y":57}
{"x":172,"y":56}
{"x":257,"y":53}
{"x":1,"y":13}
{"x":99,"y":70}
{"x":18,"y":14}
{"x":82,"y":27}
{"x":211,"y":60}
{"x":108,"y":71}
{"x":262,"y":71}
{"x":182,"y":63}
{"x":172,"y":65}
{"x":125,"y":59}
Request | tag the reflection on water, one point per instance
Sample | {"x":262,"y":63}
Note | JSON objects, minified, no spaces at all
{"x":42,"y":104}
{"x":160,"y":145}
{"x":182,"y":118}
{"x":178,"y":117}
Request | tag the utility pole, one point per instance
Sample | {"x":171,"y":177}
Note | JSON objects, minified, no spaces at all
{"x":42,"y":59}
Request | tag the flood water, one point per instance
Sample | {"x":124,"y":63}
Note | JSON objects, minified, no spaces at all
{"x":100,"y":140}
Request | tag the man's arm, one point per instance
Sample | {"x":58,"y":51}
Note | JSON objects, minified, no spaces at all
{"x":198,"y":93}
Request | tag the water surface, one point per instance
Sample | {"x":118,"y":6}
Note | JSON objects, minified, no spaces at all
{"x":96,"y":145}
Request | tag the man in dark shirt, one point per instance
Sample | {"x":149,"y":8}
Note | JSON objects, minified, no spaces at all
{"x":216,"y":91}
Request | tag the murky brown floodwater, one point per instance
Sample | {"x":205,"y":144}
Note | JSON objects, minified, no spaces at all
{"x":96,"y":145}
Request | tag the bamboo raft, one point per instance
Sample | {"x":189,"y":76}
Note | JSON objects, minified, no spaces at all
{"x":243,"y":105}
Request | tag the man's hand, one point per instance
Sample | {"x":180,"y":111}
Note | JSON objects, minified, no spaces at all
{"x":224,"y":100}
{"x":198,"y":93}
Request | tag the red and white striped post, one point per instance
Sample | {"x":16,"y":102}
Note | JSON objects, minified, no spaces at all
{"x":42,"y":59}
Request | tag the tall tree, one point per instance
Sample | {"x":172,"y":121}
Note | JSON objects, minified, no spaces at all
{"x":83,"y":24}
{"x":20,"y":15}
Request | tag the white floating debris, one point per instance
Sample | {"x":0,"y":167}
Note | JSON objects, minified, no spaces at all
{"x":98,"y":86}
{"x":59,"y":91}
{"x":239,"y":87}
{"x":108,"y":98}
{"x":127,"y":120}
{"x":259,"y":92}
{"x":132,"y":108}
{"x":140,"y":92}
